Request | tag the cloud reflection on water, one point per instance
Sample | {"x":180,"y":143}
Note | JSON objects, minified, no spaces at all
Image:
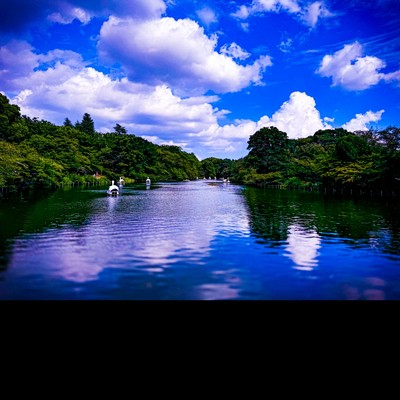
{"x":302,"y":247}
{"x":146,"y":232}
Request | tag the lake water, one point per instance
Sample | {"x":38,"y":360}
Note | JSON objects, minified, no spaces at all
{"x":198,"y":240}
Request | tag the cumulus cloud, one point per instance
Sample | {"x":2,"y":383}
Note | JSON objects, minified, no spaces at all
{"x":63,"y":91}
{"x":308,"y":13}
{"x":349,"y":69}
{"x":56,"y":88}
{"x":178,"y":53}
{"x":298,"y":117}
{"x":59,"y":84}
{"x":360,"y":122}
{"x":56,"y":85}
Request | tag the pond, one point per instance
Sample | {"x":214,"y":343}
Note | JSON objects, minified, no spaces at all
{"x":198,"y":240}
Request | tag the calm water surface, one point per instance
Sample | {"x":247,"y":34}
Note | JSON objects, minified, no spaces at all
{"x":198,"y":240}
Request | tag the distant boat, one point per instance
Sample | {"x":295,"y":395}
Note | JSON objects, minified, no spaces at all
{"x":121,"y":181}
{"x":148,"y":182}
{"x":113,"y":190}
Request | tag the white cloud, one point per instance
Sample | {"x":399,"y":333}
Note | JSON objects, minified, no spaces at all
{"x":69,"y":14}
{"x":263,"y":6}
{"x":177,"y":53}
{"x":309,"y":13}
{"x":315,"y":11}
{"x":62,"y":91}
{"x":392,"y":76}
{"x":349,"y":69}
{"x":65,"y":88}
{"x":291,"y":6}
{"x":360,"y":122}
{"x":243,"y":12}
{"x":298,"y":117}
{"x":234,"y":51}
{"x":58,"y":84}
{"x":207,"y":16}
{"x":16,"y":61}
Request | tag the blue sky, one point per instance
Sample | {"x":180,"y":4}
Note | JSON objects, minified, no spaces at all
{"x":204,"y":75}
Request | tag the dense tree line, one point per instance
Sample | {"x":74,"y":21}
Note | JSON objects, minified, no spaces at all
{"x":37,"y":153}
{"x":331,"y":158}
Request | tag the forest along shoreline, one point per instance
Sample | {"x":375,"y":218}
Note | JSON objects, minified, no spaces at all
{"x":37,"y":154}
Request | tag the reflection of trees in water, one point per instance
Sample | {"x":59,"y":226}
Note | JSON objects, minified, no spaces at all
{"x":269,"y":215}
{"x":37,"y":212}
{"x":356,"y":222}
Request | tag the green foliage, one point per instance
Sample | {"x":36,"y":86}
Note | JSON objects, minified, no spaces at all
{"x":37,"y":153}
{"x":177,"y":165}
{"x":10,"y":111}
{"x":120,"y":129}
{"x":329,"y":136}
{"x":351,"y":147}
{"x":390,"y":138}
{"x":10,"y":164}
{"x":215,"y":167}
{"x":86,"y":125}
{"x":268,"y":150}
{"x":330,"y":158}
{"x":68,"y":123}
{"x":271,"y":178}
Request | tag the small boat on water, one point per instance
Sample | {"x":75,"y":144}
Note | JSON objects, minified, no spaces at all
{"x":148,"y":182}
{"x":113,"y":190}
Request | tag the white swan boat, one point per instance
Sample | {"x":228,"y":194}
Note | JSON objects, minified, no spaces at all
{"x":113,"y":190}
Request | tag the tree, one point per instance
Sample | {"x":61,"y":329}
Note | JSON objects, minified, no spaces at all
{"x":209,"y":166}
{"x":329,"y":136}
{"x":9,"y":114}
{"x":68,"y":123}
{"x":351,"y":147}
{"x":86,"y":125}
{"x":120,"y":129}
{"x":11,"y":111}
{"x":268,"y":150}
{"x":390,"y":138}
